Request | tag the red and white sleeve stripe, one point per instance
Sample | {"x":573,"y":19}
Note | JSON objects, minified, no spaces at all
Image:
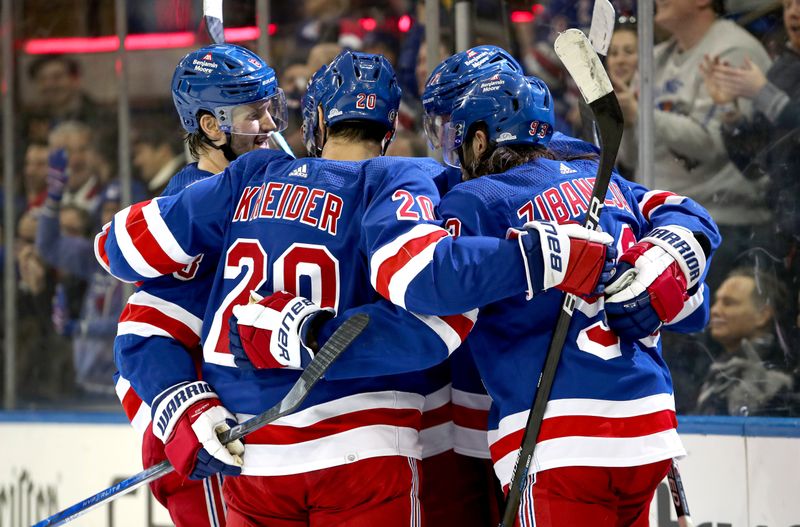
{"x":146,"y":315}
{"x":146,"y":242}
{"x":452,"y":329}
{"x":653,"y":199}
{"x":137,"y":411}
{"x":396,"y":264}
{"x":100,"y":247}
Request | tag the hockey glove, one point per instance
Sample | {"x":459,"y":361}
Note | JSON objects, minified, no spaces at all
{"x":187,"y":418}
{"x":272,"y":333}
{"x":568,"y":257}
{"x":650,"y":283}
{"x":56,"y":174}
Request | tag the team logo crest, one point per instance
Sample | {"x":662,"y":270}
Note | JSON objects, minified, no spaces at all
{"x":254,"y":62}
{"x":471,"y":53}
{"x":208,"y":57}
{"x":434,"y":79}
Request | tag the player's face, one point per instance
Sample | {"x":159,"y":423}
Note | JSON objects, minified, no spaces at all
{"x":734,"y":315}
{"x":434,"y":129}
{"x":251,"y":124}
{"x":623,"y":56}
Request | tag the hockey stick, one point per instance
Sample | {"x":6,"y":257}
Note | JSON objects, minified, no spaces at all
{"x":336,"y":344}
{"x":602,"y":27}
{"x":679,"y":496}
{"x":583,"y":64}
{"x":212,"y":17}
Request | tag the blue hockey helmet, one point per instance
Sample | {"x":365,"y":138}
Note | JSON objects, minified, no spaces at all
{"x":233,"y":84}
{"x":452,"y":77}
{"x":515,"y":109}
{"x":353,"y":87}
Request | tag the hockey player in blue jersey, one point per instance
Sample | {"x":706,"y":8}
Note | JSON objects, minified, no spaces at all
{"x":609,"y":431}
{"x":454,"y":489}
{"x":360,"y":223}
{"x":162,"y":319}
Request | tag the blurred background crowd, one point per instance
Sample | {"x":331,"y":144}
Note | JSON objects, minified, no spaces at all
{"x":726,"y":124}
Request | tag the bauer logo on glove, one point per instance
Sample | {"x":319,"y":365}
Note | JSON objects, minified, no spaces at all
{"x":270,"y":332}
{"x":568,"y":257}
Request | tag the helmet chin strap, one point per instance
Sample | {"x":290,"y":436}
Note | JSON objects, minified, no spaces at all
{"x":387,"y":140}
{"x":317,"y":148}
{"x":226,"y":149}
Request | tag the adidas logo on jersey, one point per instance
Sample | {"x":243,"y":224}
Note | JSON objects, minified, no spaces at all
{"x":567,"y":170}
{"x":301,"y":171}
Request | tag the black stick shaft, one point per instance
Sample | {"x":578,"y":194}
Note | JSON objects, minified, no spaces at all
{"x":608,"y":116}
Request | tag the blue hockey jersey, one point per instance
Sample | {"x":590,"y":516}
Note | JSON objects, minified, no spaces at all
{"x":611,"y":402}
{"x":160,"y":326}
{"x":325,"y":230}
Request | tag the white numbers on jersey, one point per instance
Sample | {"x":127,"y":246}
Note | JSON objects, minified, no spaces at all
{"x":453,"y":226}
{"x":246,"y":263}
{"x":598,"y":339}
{"x":407,"y":209}
{"x":315,"y":263}
{"x":190,"y":271}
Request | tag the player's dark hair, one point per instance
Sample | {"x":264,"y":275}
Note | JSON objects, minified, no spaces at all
{"x":497,"y":159}
{"x":196,"y":141}
{"x":718,"y":6}
{"x":358,"y":131}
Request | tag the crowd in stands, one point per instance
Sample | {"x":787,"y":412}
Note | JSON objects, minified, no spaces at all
{"x":727,"y":134}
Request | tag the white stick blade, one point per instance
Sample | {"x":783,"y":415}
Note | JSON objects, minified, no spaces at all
{"x":602,"y":26}
{"x":583,"y":64}
{"x":213,"y":8}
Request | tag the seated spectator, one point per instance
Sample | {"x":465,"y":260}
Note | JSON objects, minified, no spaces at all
{"x":689,"y":158}
{"x":59,"y":97}
{"x":322,"y":54}
{"x":768,"y":143}
{"x":43,"y":361}
{"x":83,"y":185}
{"x":623,"y":63}
{"x":320,"y":24}
{"x":34,"y":174}
{"x":380,"y":42}
{"x":157,"y":154}
{"x":61,"y":243}
{"x":753,"y":376}
{"x":294,"y":80}
{"x":410,"y":113}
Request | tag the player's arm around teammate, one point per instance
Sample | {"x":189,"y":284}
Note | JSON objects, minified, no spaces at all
{"x":157,"y":348}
